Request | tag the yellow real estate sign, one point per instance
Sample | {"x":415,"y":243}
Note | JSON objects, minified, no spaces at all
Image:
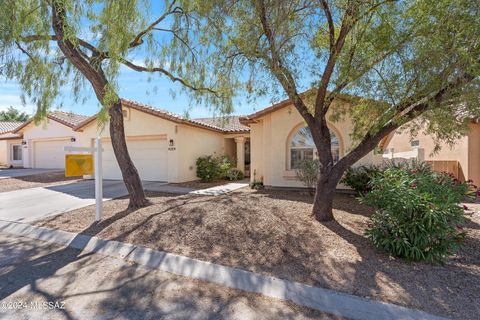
{"x":77,"y":165}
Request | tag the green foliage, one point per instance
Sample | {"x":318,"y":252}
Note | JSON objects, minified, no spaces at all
{"x":211,"y":167}
{"x":308,"y":172}
{"x":12,"y":114}
{"x":136,"y":34}
{"x":418,"y":215}
{"x":234,"y":174}
{"x":359,"y":178}
{"x":255,"y":184}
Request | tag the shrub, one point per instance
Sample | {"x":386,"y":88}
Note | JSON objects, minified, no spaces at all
{"x":418,"y":214}
{"x":257,"y":185}
{"x":308,"y":172}
{"x":212,"y":167}
{"x":234,"y":174}
{"x":359,"y":178}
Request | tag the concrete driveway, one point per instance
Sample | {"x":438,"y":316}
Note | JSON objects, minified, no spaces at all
{"x":31,"y":204}
{"x":15,"y":173}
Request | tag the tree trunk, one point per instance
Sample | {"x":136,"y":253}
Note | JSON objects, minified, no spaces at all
{"x":323,"y":201}
{"x":129,"y":172}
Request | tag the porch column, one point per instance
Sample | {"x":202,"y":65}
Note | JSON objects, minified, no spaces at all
{"x":240,"y":141}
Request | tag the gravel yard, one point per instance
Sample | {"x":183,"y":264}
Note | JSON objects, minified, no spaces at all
{"x":272,"y":232}
{"x":33,"y":181}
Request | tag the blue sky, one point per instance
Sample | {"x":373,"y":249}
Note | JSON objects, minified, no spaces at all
{"x":134,"y":86}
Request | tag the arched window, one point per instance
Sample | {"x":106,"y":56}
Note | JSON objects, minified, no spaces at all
{"x":303,"y":148}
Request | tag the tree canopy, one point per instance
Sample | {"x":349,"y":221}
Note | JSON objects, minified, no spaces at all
{"x":115,"y":35}
{"x":414,"y":62}
{"x":12,"y":114}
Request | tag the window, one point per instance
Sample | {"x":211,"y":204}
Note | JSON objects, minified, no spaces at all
{"x":303,"y":148}
{"x":415,"y":143}
{"x":16,"y":152}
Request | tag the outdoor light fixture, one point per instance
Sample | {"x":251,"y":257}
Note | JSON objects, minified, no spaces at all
{"x":171,"y":143}
{"x":24,"y":142}
{"x":73,"y":139}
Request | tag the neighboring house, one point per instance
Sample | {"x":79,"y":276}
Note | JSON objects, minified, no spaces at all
{"x":43,"y":143}
{"x":280,"y":139}
{"x":462,"y":159}
{"x":10,"y":144}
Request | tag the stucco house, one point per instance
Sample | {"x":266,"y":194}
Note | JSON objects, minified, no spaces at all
{"x":10,"y":144}
{"x":280,"y":138}
{"x":462,"y":159}
{"x":164,"y":146}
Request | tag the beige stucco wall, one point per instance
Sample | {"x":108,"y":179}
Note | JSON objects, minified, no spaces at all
{"x":270,"y":139}
{"x":189,"y":142}
{"x":466,"y":150}
{"x":474,"y":153}
{"x":47,"y":130}
{"x":3,"y":153}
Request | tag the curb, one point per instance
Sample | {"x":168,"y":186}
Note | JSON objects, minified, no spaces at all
{"x":329,"y":301}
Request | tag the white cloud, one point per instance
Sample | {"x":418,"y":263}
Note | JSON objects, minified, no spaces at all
{"x":7,"y":100}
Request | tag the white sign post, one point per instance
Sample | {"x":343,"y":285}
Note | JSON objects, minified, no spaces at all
{"x":97,"y":151}
{"x":98,"y":180}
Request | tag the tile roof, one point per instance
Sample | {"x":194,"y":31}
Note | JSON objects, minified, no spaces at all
{"x":9,"y":126}
{"x":68,"y":119}
{"x":201,"y":123}
{"x":226,"y":123}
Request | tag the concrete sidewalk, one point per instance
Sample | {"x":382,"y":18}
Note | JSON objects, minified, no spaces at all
{"x":324,"y":300}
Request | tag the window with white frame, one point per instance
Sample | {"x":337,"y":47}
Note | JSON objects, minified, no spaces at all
{"x":16,"y":152}
{"x":302,"y":147}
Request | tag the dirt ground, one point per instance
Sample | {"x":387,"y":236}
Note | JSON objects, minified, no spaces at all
{"x":272,"y":232}
{"x":38,"y":180}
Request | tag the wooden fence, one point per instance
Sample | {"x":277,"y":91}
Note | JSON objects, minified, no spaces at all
{"x":449,"y":166}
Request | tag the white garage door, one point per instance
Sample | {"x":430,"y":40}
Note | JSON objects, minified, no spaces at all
{"x":149,"y":157}
{"x":50,"y":154}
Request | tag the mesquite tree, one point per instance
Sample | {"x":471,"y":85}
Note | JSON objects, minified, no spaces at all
{"x":412,"y":62}
{"x":47,"y":44}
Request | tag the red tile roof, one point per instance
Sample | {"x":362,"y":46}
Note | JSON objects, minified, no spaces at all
{"x":9,"y":126}
{"x":167,"y":115}
{"x":68,"y":119}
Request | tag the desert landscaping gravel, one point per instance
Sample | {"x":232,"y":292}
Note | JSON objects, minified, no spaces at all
{"x":273,"y":233}
{"x":34,"y":181}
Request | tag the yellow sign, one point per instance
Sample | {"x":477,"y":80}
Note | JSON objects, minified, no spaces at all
{"x":77,"y":165}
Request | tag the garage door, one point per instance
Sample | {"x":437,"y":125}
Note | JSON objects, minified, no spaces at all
{"x":149,"y":157}
{"x":50,"y":154}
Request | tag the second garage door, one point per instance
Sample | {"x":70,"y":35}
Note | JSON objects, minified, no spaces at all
{"x":149,"y":157}
{"x":49,"y":154}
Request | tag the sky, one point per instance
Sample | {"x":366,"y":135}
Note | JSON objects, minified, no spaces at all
{"x":132,"y":85}
{"x":135,"y":86}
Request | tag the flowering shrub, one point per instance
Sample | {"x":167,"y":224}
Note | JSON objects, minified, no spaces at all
{"x":211,"y":168}
{"x":418,"y":214}
{"x":358,"y":178}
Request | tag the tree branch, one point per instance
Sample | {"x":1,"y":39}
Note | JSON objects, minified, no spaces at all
{"x":165,"y":72}
{"x":331,"y":25}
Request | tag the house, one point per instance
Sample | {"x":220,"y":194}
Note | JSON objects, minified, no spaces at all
{"x":164,"y":146}
{"x":279,"y":139}
{"x":43,"y":142}
{"x":10,"y":144}
{"x":462,"y":159}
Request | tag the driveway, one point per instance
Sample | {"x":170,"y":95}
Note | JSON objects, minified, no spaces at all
{"x":30,"y":204}
{"x":92,"y":286}
{"x":15,"y":173}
